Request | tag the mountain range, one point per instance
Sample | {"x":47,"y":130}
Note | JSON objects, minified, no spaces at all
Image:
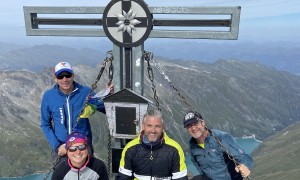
{"x":235,"y":96}
{"x":283,"y":56}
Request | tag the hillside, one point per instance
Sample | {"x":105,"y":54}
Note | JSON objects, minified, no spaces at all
{"x":234,"y":96}
{"x":278,"y":157}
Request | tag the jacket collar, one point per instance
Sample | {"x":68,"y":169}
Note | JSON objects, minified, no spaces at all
{"x":154,"y":145}
{"x":79,"y":169}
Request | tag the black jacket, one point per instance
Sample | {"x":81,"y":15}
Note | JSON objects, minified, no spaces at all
{"x":162,"y":160}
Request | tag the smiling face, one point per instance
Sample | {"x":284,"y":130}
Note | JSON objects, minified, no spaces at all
{"x":78,"y":157}
{"x":197,"y":130}
{"x":65,"y":82}
{"x":153,"y":128}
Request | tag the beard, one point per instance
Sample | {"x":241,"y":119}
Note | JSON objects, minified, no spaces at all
{"x":199,"y":134}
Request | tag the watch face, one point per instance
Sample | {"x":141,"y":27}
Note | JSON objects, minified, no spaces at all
{"x":127,"y":23}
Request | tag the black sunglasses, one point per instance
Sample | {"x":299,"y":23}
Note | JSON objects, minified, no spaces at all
{"x":61,"y":76}
{"x":80,"y":148}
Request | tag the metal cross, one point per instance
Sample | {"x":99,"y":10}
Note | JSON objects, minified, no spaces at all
{"x":128,"y":37}
{"x":128,"y":23}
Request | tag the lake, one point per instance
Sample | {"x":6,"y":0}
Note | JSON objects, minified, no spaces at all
{"x":248,"y":143}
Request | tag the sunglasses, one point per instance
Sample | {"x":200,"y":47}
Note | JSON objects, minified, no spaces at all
{"x":61,"y":76}
{"x":74,"y":148}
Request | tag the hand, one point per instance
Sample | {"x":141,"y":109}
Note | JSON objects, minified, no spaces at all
{"x":88,"y":110}
{"x":111,"y":88}
{"x":243,"y":170}
{"x":62,"y":150}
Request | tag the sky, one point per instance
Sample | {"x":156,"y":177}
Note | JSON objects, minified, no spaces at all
{"x":261,"y":20}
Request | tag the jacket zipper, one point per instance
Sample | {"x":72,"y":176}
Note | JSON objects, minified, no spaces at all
{"x":69,"y":113}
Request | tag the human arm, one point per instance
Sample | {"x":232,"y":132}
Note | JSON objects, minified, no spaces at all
{"x":244,"y":160}
{"x":46,"y":125}
{"x":97,"y":103}
{"x":102,"y":171}
{"x":96,"y":99}
{"x":60,"y":171}
{"x":125,"y":168}
{"x":179,"y":167}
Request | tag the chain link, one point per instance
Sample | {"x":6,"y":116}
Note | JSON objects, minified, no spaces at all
{"x":160,"y":70}
{"x":108,"y":154}
{"x":148,"y":56}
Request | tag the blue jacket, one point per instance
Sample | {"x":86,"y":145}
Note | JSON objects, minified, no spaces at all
{"x":213,"y":162}
{"x":59,"y":114}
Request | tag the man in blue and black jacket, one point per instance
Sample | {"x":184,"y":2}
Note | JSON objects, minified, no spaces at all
{"x":62,"y":105}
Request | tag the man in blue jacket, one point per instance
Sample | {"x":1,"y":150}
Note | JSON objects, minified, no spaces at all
{"x":63,"y":104}
{"x":209,"y":156}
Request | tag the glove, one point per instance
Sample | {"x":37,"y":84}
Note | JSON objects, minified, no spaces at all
{"x":88,"y":110}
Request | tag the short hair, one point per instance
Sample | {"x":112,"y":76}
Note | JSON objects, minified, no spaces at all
{"x":154,"y":113}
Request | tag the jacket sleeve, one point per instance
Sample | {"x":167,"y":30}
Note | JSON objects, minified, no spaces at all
{"x":103,"y":172}
{"x":236,"y":151}
{"x":179,"y":161}
{"x":46,"y":125}
{"x":125,"y":168}
{"x":179,"y":170}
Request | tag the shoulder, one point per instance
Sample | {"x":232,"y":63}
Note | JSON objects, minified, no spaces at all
{"x":98,"y":167}
{"x":134,"y":142}
{"x":169,"y":141}
{"x":61,"y":170}
{"x":224,"y":137}
{"x":49,"y":91}
{"x":220,"y":134}
{"x":48,"y":95}
{"x":95,"y":163}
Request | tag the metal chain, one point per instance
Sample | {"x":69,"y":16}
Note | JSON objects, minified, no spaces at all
{"x":148,"y":56}
{"x":223,"y":148}
{"x":108,"y":154}
{"x":160,"y":70}
{"x":110,"y":77}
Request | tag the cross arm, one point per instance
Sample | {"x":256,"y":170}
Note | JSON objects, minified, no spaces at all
{"x":93,"y":26}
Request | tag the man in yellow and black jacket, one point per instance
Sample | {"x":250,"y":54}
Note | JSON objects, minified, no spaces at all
{"x":152,"y":155}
